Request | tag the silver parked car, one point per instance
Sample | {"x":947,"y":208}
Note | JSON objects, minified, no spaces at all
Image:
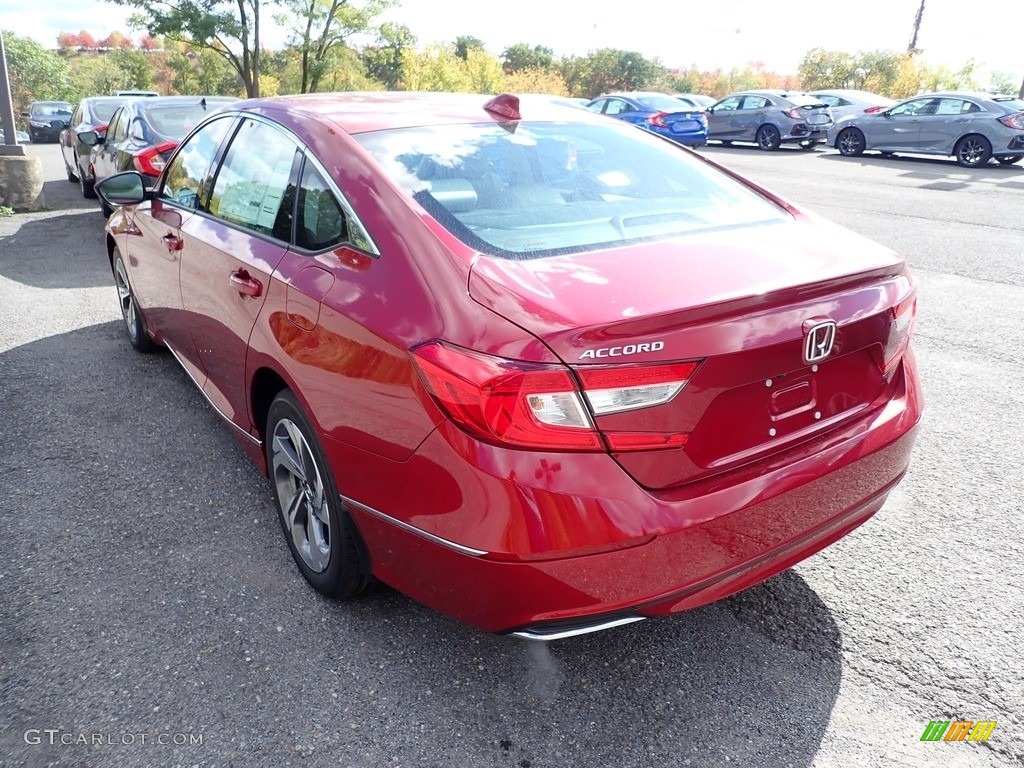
{"x":769,"y":119}
{"x":696,"y":100}
{"x":972,"y":127}
{"x":845,"y":101}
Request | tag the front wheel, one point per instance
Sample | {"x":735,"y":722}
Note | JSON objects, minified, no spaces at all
{"x":851,"y":142}
{"x":135,"y":325}
{"x":973,"y":151}
{"x":1009,"y":159}
{"x":768,"y":138}
{"x":319,"y":531}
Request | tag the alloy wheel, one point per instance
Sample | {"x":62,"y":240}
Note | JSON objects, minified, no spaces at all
{"x":301,"y":493}
{"x":973,"y":151}
{"x":851,"y":142}
{"x":126,"y":300}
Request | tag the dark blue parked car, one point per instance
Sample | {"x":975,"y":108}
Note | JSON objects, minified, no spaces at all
{"x":656,"y":112}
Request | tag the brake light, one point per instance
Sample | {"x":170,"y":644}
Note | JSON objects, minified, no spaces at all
{"x":658,"y":120}
{"x":530,"y":405}
{"x":794,"y":113}
{"x":1016,"y":122}
{"x":525,"y":405}
{"x":872,"y":110}
{"x":151,"y":161}
{"x":900,"y":330}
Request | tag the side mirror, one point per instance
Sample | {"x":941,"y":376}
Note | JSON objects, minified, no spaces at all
{"x":89,"y":138}
{"x":26,"y":114}
{"x":127,"y":188}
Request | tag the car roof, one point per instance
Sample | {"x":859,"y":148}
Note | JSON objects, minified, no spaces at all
{"x":359,"y":112}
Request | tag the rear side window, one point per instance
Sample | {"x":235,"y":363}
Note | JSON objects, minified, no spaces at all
{"x":255,"y":187}
{"x":550,"y":188}
{"x":323,"y":221}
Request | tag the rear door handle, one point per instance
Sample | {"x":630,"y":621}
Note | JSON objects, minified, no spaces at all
{"x":244,"y":284}
{"x":173,"y":242}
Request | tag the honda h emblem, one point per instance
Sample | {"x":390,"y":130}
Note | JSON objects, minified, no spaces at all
{"x":819,"y":335}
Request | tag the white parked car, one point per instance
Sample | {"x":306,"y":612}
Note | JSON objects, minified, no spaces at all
{"x":842,"y":101}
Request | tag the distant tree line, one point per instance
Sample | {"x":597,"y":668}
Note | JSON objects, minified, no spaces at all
{"x":215,"y":47}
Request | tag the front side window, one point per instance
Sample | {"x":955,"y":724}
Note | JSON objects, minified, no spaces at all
{"x":617,"y":107}
{"x":911,"y":108}
{"x":728,"y":105}
{"x":118,"y":126}
{"x":550,"y":188}
{"x":185,"y":181}
{"x":254,"y":187}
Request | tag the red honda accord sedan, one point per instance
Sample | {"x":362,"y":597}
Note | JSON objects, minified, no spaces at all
{"x":537,"y":369}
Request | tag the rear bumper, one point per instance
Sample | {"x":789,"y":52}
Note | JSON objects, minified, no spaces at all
{"x":543,"y":551}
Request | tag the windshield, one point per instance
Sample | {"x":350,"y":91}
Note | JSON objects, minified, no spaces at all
{"x":537,"y":189}
{"x":175,"y":121}
{"x":663,"y":103}
{"x":51,"y":110}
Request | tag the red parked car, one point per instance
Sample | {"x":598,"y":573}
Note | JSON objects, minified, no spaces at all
{"x":537,"y":369}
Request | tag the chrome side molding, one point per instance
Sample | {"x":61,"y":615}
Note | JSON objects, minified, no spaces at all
{"x":413,"y":529}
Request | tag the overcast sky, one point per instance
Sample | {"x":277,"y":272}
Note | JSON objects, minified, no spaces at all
{"x":710,"y":34}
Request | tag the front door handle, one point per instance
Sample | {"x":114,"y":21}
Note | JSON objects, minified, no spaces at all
{"x":244,"y":284}
{"x":173,"y":242}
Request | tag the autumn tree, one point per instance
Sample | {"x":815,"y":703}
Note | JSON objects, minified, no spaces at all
{"x":610,"y":69}
{"x":67,"y":41}
{"x":231,"y":29}
{"x":319,"y":27}
{"x":383,"y":60}
{"x":521,"y":56}
{"x":466,"y":43}
{"x":36,"y":74}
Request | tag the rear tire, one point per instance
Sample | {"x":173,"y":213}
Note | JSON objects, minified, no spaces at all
{"x":768,"y":138}
{"x":71,"y":174}
{"x":320,"y":534}
{"x":1009,"y":159}
{"x":87,"y":186}
{"x":973,"y":151}
{"x":138,"y":336}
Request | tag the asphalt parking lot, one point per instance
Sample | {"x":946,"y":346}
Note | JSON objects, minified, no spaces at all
{"x":150,"y":608}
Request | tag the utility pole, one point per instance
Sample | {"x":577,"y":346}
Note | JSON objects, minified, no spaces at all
{"x":6,"y":105}
{"x":912,"y":48}
{"x":21,"y":175}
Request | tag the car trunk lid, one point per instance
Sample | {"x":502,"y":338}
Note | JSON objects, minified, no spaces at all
{"x":741,"y":303}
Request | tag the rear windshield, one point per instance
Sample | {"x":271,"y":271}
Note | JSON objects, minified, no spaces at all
{"x":104,"y":110}
{"x":664,"y":103}
{"x":51,"y":110}
{"x":538,"y":189}
{"x":175,"y":120}
{"x":1010,"y":102}
{"x":803,"y":100}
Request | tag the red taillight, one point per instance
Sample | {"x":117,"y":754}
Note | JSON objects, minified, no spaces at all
{"x":151,"y":161}
{"x":872,"y":110}
{"x":1016,"y":122}
{"x":513,"y":403}
{"x":530,"y":405}
{"x":900,"y":330}
{"x":794,"y":114}
{"x":658,"y":120}
{"x":618,"y":389}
